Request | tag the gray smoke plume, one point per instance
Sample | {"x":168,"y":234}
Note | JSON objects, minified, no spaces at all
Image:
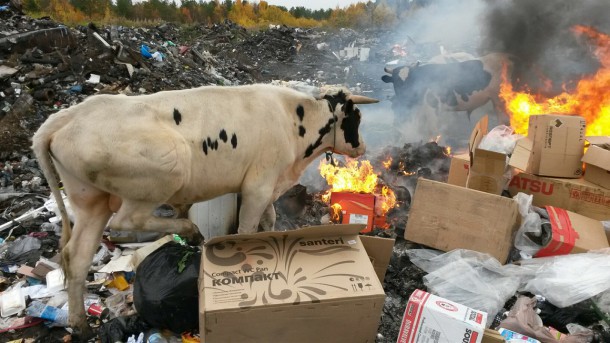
{"x":539,"y":34}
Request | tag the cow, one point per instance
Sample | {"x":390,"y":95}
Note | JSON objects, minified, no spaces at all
{"x":120,"y":157}
{"x":459,"y":86}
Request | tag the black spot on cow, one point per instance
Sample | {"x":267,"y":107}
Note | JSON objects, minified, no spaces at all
{"x":205,"y":147}
{"x":300,"y":112}
{"x":350,"y":124}
{"x":234,"y":141}
{"x":215,"y":144}
{"x":210,"y":142}
{"x":177,"y":116}
{"x":301,"y":131}
{"x":333,"y":100}
{"x":223,"y":135}
{"x":323,"y":131}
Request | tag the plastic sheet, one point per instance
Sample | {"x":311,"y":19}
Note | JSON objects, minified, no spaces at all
{"x":569,"y":279}
{"x":470,"y":278}
{"x":530,"y":226}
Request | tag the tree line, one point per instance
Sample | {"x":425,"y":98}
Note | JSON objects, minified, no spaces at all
{"x":250,"y":14}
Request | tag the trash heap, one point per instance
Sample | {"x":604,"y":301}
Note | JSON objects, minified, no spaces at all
{"x":517,"y":245}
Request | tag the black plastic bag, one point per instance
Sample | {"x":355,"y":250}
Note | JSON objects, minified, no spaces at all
{"x":165,"y":289}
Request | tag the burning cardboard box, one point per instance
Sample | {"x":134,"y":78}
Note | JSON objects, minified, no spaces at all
{"x":429,"y":318}
{"x":311,"y":284}
{"x":554,"y":146}
{"x":597,"y":161}
{"x":355,"y":196}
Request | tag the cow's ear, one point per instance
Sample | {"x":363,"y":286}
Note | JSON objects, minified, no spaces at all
{"x":387,"y":79}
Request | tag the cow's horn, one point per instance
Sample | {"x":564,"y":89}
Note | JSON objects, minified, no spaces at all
{"x":388,"y":70}
{"x":359,"y":99}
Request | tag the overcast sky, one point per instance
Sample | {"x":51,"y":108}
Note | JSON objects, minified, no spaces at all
{"x":313,"y":4}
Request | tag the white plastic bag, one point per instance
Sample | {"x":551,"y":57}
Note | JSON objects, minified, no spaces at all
{"x":569,"y":279}
{"x":530,"y":225}
{"x":470,"y":278}
{"x":500,"y":139}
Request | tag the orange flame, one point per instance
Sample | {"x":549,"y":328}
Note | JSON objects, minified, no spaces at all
{"x":387,"y":163}
{"x":335,"y":215}
{"x":590,"y":99}
{"x":357,"y":178}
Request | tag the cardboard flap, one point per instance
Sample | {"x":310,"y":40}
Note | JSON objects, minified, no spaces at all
{"x":598,"y":157}
{"x":477,"y":134}
{"x":522,"y":154}
{"x":599,"y":141}
{"x":321,"y":230}
{"x":489,"y":162}
{"x":380,"y":251}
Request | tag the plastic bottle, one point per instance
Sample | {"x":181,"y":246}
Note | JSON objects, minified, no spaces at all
{"x":156,"y":337}
{"x":54,"y":314}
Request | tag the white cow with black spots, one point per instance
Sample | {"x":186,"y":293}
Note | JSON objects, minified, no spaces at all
{"x":120,"y":157}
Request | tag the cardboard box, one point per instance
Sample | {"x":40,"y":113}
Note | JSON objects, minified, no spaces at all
{"x":487,"y":167}
{"x":572,"y":233}
{"x":597,"y":161}
{"x":492,"y":336}
{"x":380,"y":252}
{"x":448,"y":217}
{"x":458,"y":170}
{"x":313,"y":284}
{"x":356,"y":208}
{"x":576,"y":195}
{"x":429,"y":318}
{"x":554,"y":146}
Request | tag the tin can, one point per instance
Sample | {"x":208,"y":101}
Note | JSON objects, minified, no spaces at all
{"x":98,"y":311}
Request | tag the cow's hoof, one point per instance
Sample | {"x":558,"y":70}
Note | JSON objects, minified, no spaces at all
{"x":83,"y":334}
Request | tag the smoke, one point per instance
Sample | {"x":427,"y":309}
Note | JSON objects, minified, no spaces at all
{"x":538,"y":34}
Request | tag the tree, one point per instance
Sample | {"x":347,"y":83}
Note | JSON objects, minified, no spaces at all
{"x":124,"y":8}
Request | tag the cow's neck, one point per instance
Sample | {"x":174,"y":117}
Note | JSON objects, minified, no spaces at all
{"x":328,"y":139}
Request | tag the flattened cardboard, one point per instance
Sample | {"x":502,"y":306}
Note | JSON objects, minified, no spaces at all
{"x":314,"y":284}
{"x":597,"y":161}
{"x":448,"y":217}
{"x":486,"y":172}
{"x":430,"y":318}
{"x":458,"y":170}
{"x":573,"y":233}
{"x":554,"y":146}
{"x":576,"y":195}
{"x":380,"y":252}
{"x":492,"y":336}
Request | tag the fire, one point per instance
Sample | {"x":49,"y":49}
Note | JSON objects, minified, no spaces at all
{"x":357,"y":178}
{"x":590,"y":99}
{"x":335,"y":213}
{"x":387,"y":163}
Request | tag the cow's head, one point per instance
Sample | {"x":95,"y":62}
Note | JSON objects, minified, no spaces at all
{"x":399,"y":74}
{"x":345,"y":133}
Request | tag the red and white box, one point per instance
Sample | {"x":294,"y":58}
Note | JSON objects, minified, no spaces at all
{"x":429,"y":318}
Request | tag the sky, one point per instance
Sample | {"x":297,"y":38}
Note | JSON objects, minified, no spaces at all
{"x":313,"y":4}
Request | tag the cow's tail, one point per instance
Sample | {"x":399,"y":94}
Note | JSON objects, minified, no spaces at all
{"x":41,"y":145}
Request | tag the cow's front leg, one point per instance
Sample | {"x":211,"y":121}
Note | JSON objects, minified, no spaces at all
{"x":267,"y":222}
{"x":255,"y":202}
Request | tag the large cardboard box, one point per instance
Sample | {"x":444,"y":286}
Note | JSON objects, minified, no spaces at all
{"x":572,"y":233}
{"x":576,"y":195}
{"x":448,"y":217}
{"x":597,"y":161}
{"x":313,"y":284}
{"x":458,"y":170}
{"x":429,"y":318}
{"x":554,"y":146}
{"x":487,"y":168}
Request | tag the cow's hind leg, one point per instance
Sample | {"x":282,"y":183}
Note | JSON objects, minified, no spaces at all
{"x":91,"y":213}
{"x":137,"y":215}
